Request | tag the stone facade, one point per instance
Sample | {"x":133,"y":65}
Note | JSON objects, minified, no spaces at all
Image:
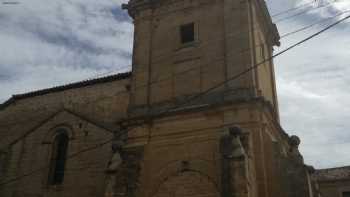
{"x":333,"y":182}
{"x":148,"y":133}
{"x":229,"y":37}
{"x":87,"y":110}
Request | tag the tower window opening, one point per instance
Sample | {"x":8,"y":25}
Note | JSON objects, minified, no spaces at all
{"x":187,"y":33}
{"x":58,"y":159}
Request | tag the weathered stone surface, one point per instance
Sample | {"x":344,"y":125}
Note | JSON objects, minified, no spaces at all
{"x":332,"y":182}
{"x":28,"y":127}
{"x":165,"y":150}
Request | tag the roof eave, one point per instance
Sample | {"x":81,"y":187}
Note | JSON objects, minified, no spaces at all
{"x":80,"y":84}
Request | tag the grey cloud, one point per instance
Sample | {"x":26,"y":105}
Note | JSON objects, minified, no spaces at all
{"x":5,"y":77}
{"x":56,"y":42}
{"x":51,"y":43}
{"x":314,"y":94}
{"x":72,"y":42}
{"x":80,"y":34}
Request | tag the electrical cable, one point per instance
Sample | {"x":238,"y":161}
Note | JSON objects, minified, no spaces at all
{"x":305,"y":11}
{"x":196,"y":96}
{"x":293,"y":9}
{"x":190,"y":69}
{"x":312,"y":25}
{"x":125,"y":67}
{"x":261,"y":63}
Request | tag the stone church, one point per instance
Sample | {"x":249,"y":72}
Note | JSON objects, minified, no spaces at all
{"x":192,"y":118}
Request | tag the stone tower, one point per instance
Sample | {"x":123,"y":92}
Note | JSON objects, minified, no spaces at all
{"x":226,"y":142}
{"x":185,"y":47}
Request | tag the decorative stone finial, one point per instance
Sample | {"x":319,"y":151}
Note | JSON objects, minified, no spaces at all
{"x":294,"y":141}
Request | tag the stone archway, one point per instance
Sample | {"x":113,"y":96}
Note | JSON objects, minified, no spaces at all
{"x":187,"y":184}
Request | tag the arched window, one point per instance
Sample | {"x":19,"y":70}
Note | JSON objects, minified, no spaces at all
{"x":58,"y":158}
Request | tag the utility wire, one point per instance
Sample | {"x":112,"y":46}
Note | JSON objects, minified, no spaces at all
{"x":235,"y":34}
{"x":126,"y":67}
{"x":93,"y":148}
{"x":309,"y":4}
{"x":280,"y":13}
{"x":314,"y":24}
{"x":190,"y":99}
{"x":261,"y":63}
{"x":294,"y":8}
{"x":10,"y":3}
{"x":47,"y":166}
{"x":280,"y":20}
{"x":305,"y":11}
{"x":187,"y":70}
{"x":250,"y":69}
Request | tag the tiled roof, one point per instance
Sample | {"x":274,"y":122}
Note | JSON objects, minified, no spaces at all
{"x":332,"y":174}
{"x":79,"y":84}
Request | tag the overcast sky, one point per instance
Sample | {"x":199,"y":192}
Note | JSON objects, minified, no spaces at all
{"x":48,"y":43}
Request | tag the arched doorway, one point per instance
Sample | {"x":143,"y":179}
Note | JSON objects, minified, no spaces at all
{"x":188,"y":184}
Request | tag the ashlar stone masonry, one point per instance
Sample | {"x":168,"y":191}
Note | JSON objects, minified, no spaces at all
{"x":176,"y":126}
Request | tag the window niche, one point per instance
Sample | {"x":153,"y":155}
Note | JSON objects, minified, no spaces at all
{"x":187,"y":33}
{"x":58,"y":157}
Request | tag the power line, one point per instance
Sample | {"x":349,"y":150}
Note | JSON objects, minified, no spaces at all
{"x":280,"y":13}
{"x":283,"y":36}
{"x":294,"y":8}
{"x":309,"y":4}
{"x":10,"y":3}
{"x":254,"y":67}
{"x":95,"y":147}
{"x":306,"y":11}
{"x":80,"y":152}
{"x":47,"y":166}
{"x":195,"y":96}
{"x":230,"y":35}
{"x":190,"y":69}
{"x":312,"y":25}
{"x":255,"y":26}
{"x":192,"y":98}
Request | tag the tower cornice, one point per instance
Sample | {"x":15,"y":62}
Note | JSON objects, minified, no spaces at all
{"x":270,"y":27}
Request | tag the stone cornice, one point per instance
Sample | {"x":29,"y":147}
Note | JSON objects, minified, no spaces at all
{"x":133,"y":6}
{"x":76,"y":85}
{"x":271,"y":28}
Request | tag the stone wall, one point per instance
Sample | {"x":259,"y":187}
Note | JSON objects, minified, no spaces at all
{"x":178,"y":153}
{"x":166,"y":69}
{"x":28,"y":126}
{"x":185,"y":146}
{"x":333,"y":182}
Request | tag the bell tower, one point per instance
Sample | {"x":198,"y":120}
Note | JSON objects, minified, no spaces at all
{"x":184,"y":47}
{"x":227,"y":141}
